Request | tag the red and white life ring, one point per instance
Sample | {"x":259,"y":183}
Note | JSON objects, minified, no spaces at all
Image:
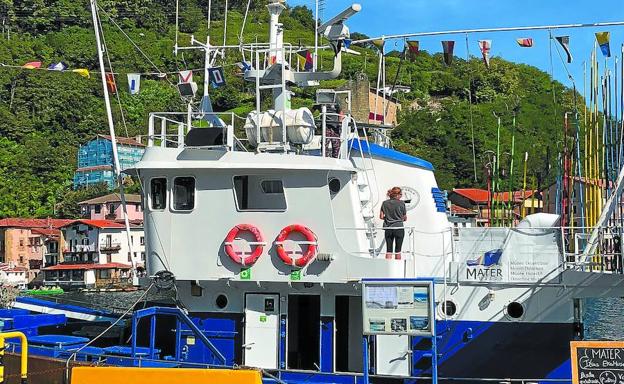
{"x":236,"y":255}
{"x":310,"y":239}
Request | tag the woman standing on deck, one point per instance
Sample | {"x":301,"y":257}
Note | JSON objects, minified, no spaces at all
{"x":393,"y":213}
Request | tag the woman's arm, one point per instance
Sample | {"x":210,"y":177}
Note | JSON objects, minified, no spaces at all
{"x":381,"y":214}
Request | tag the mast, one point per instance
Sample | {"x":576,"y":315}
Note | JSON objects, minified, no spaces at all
{"x":111,"y":128}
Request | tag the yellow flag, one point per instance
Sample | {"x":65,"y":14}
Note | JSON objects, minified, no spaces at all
{"x":379,"y":44}
{"x":82,"y":72}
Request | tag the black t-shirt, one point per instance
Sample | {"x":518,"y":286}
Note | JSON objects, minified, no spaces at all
{"x":394,"y":210}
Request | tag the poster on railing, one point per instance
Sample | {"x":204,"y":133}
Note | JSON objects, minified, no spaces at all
{"x":397,"y":307}
{"x":508,"y":255}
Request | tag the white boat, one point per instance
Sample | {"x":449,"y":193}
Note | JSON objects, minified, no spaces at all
{"x":217,"y":202}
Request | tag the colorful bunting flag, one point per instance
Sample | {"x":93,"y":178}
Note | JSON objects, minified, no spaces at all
{"x":305,"y":60}
{"x":565,"y":43}
{"x":603,"y":41}
{"x":216,"y":77}
{"x":485,"y":46}
{"x":60,"y":66}
{"x":525,"y":42}
{"x":134,"y":83}
{"x":110,"y":83}
{"x":32,"y":65}
{"x":379,"y":44}
{"x":185,"y":77}
{"x":447,"y":47}
{"x":347,"y":43}
{"x":82,"y":72}
{"x":413,"y":47}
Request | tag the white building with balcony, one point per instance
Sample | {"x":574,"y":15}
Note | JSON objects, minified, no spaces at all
{"x":103,"y":241}
{"x":97,"y":253}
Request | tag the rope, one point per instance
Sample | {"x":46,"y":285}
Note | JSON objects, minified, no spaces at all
{"x":240,"y":37}
{"x":472,"y":137}
{"x":133,"y":43}
{"x":110,"y":66}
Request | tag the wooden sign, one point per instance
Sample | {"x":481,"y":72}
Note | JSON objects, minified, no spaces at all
{"x":597,"y":362}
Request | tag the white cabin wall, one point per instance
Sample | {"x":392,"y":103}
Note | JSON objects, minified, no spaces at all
{"x":431,"y":238}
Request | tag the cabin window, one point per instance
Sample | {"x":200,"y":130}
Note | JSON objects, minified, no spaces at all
{"x":259,"y":193}
{"x":98,"y":208}
{"x":334,"y":185}
{"x":183,"y":193}
{"x":158,"y":189}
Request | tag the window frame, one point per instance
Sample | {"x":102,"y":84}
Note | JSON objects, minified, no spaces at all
{"x":150,"y":197}
{"x":172,"y":197}
{"x":263,"y":179}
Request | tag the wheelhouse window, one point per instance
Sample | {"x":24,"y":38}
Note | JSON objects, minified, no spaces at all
{"x":259,"y":193}
{"x":183,"y":193}
{"x":158,"y":190}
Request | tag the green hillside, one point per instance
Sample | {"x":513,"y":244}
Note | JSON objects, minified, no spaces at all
{"x":44,"y":115}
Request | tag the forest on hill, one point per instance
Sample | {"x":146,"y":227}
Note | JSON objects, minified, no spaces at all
{"x":46,"y":115}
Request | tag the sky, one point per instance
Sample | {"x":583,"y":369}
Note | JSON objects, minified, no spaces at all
{"x":389,"y":17}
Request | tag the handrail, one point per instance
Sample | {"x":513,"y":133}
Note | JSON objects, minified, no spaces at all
{"x":152,"y":311}
{"x":24,"y":355}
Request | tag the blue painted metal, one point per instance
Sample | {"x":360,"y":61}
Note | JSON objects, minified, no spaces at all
{"x":65,"y":307}
{"x":327,"y":344}
{"x":439,"y":198}
{"x":57,"y":340}
{"x":181,"y":317}
{"x":366,"y":367}
{"x":389,"y":154}
{"x":152,"y":336}
{"x":282,"y":342}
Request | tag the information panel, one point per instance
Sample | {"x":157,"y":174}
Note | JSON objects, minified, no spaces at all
{"x":597,"y":362}
{"x":397,"y":307}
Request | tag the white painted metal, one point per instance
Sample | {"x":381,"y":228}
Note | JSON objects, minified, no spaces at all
{"x":393,"y":355}
{"x":260,"y":347}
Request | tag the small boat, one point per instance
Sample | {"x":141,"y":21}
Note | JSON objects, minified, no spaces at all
{"x":45,"y":291}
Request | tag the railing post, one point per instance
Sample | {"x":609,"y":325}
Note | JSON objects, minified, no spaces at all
{"x":163,"y":133}
{"x":150,"y":130}
{"x":324,"y":129}
{"x":180,"y":135}
{"x":189,"y":120}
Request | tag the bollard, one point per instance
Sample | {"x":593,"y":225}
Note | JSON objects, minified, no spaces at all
{"x":24,"y":357}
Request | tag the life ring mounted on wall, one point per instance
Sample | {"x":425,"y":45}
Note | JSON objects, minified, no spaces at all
{"x":236,"y":255}
{"x":310,"y":241}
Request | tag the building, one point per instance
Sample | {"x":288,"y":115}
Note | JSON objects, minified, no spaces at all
{"x":97,"y":254}
{"x":14,"y":276}
{"x":103,"y":242}
{"x":70,"y":276}
{"x":31,"y":243}
{"x":371,"y":107}
{"x":383,"y":108}
{"x":109,"y":208}
{"x":461,"y":217}
{"x":505,"y":207}
{"x":95,"y":160}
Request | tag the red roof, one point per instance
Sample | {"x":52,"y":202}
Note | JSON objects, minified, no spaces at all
{"x":475,"y":194}
{"x":19,"y":222}
{"x":482,"y":195}
{"x":461,"y":211}
{"x":97,"y":223}
{"x":123,"y":140}
{"x":50,"y":232}
{"x":67,"y":267}
{"x":8,"y":268}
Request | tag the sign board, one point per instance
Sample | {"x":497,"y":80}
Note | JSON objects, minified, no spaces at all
{"x":397,"y":307}
{"x":597,"y":362}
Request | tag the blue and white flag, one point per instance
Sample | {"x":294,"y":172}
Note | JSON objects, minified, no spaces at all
{"x":244,"y":66}
{"x":134,"y":83}
{"x":216,"y":77}
{"x":60,"y":66}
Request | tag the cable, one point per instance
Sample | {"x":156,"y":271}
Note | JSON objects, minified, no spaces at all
{"x":73,"y":355}
{"x":133,"y":43}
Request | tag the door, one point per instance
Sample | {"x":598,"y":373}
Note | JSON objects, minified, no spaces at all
{"x":393,"y":355}
{"x":260,"y":347}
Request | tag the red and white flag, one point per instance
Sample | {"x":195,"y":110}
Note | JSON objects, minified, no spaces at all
{"x":485,"y":46}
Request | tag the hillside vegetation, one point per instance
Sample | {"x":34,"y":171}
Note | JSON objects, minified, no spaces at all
{"x":45,"y":116}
